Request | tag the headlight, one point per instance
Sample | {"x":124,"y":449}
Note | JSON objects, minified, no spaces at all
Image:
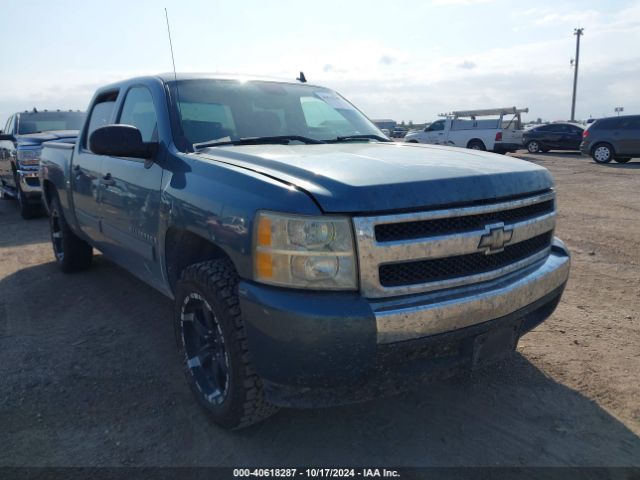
{"x":304,"y":252}
{"x":29,"y":156}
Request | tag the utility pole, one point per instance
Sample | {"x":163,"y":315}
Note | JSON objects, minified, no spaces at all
{"x":578,"y":32}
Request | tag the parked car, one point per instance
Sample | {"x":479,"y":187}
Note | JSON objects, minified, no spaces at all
{"x":613,"y":138}
{"x":463,"y":129}
{"x":311,"y":260}
{"x":553,"y":136}
{"x":399,"y":132}
{"x":20,"y":147}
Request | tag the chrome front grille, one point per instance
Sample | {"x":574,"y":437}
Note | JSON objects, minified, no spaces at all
{"x":427,"y":251}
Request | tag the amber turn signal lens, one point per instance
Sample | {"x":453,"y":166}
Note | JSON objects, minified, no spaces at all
{"x":264,"y":232}
{"x":264,"y":265}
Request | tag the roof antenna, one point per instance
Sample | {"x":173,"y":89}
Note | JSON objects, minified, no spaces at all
{"x":302,"y":78}
{"x":173,"y":61}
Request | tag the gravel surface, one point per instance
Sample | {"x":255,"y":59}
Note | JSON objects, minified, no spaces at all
{"x":89,"y":374}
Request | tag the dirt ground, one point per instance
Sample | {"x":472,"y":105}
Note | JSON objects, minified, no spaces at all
{"x":89,"y":374}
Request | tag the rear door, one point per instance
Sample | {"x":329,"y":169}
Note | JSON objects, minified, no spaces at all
{"x":573,"y":137}
{"x":130,"y":199}
{"x":86,"y":181}
{"x":628,"y":138}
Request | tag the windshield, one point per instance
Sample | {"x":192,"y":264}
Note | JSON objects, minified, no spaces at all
{"x":211,"y":110}
{"x":32,"y":122}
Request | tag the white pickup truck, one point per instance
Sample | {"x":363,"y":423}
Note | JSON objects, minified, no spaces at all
{"x":500,"y":134}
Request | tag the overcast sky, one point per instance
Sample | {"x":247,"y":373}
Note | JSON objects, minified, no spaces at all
{"x":400,"y":60}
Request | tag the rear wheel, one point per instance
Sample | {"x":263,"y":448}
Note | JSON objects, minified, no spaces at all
{"x":602,"y":153}
{"x":212,"y":341}
{"x":71,"y":252}
{"x":533,"y":146}
{"x":622,"y":160}
{"x":476,"y":145}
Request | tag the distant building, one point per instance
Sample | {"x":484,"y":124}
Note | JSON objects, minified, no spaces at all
{"x":385,"y":123}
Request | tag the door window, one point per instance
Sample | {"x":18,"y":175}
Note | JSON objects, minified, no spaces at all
{"x":436,"y":126}
{"x":101,"y":115}
{"x":138,"y":110}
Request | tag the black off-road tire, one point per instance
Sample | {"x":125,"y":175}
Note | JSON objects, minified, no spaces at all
{"x":71,"y":252}
{"x":224,"y":383}
{"x":476,"y":145}
{"x":622,"y":160}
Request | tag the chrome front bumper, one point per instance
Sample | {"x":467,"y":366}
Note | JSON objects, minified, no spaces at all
{"x":29,"y":181}
{"x":443,"y":311}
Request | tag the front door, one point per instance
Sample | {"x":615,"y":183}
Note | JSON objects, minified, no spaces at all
{"x":130,"y":197}
{"x":435,"y":133}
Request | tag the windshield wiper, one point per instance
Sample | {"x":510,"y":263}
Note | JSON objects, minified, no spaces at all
{"x":348,"y":138}
{"x":275,"y":140}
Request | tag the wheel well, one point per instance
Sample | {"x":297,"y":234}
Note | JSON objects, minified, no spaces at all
{"x":475,"y":140}
{"x":183,"y":248}
{"x":47,"y":191}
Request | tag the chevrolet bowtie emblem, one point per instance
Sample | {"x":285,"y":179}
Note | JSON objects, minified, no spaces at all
{"x":495,"y":238}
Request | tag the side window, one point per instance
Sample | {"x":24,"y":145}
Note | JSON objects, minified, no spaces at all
{"x":437,"y":126}
{"x":138,"y":110}
{"x":101,"y":115}
{"x":630,"y":123}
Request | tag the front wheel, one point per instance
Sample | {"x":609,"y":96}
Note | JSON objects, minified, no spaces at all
{"x":71,"y":252}
{"x":602,"y":153}
{"x":27,"y":210}
{"x":622,"y":160}
{"x":212,"y":342}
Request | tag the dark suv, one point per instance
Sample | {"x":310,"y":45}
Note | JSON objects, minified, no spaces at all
{"x":613,"y":138}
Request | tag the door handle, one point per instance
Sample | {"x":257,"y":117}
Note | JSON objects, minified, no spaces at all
{"x":76,"y":168}
{"x":107,"y":180}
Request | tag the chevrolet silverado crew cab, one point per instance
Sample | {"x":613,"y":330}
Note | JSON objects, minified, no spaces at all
{"x":20,"y":147}
{"x":311,"y":260}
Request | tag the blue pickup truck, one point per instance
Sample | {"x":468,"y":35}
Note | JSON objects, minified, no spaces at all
{"x":20,"y":147}
{"x":311,"y":260}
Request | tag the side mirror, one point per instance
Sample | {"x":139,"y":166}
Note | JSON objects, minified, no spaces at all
{"x":121,"y":141}
{"x":5,"y":136}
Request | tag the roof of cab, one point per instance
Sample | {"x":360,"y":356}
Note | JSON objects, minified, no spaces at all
{"x":170,"y":77}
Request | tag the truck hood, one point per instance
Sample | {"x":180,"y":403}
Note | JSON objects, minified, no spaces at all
{"x":375,"y":177}
{"x":38,"y":138}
